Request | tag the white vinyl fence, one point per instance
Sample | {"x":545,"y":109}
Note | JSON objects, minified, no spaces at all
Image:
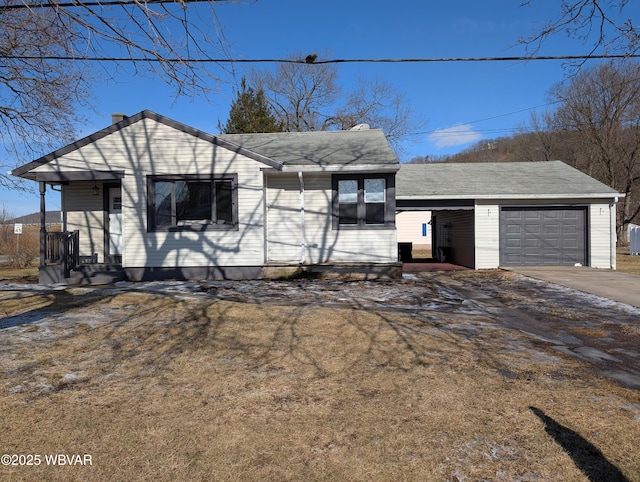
{"x":634,"y":239}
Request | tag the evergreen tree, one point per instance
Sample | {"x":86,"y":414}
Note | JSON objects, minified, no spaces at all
{"x":250,"y":113}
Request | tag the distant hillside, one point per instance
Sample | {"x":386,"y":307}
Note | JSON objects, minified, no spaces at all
{"x":51,"y":217}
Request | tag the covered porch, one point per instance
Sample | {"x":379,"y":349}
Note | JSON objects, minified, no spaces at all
{"x":83,"y":253}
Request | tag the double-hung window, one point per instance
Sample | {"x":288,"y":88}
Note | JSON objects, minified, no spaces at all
{"x":192,"y":202}
{"x":365,"y":200}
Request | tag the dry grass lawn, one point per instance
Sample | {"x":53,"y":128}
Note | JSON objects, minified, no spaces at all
{"x":627,"y":263}
{"x":194,"y":388}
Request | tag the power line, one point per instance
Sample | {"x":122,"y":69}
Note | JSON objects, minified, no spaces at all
{"x":142,"y":3}
{"x":498,"y":116}
{"x":318,"y":62}
{"x":474,"y":59}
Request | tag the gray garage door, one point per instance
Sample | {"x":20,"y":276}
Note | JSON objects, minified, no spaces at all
{"x":550,"y":236}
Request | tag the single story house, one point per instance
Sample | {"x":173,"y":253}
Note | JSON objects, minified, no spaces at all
{"x":151,"y":198}
{"x":487,"y":215}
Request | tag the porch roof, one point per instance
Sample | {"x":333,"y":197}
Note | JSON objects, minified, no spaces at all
{"x":65,"y":176}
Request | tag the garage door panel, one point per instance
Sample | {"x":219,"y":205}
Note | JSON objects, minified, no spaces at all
{"x":514,"y":229}
{"x":542,"y":236}
{"x":550,"y":259}
{"x":531,"y":259}
{"x":513,"y":215}
{"x":530,"y":242}
{"x":551,"y":244}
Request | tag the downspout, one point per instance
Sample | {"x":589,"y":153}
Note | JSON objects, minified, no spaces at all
{"x":303,"y":246}
{"x":265,"y":192}
{"x":43,"y":226}
{"x":612,"y":220}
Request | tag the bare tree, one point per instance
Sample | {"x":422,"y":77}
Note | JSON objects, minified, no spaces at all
{"x":306,"y":97}
{"x":302,"y":94}
{"x":377,"y":103}
{"x":51,"y":52}
{"x":37,"y":94}
{"x":598,"y":24}
{"x":536,"y":141}
{"x":601,"y":106}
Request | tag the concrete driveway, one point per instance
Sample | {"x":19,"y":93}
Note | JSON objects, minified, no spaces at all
{"x":616,"y":286}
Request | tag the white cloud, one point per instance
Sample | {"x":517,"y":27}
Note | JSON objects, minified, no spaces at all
{"x":457,"y":135}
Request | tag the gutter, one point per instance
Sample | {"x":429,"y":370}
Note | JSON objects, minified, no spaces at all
{"x":507,"y":197}
{"x":303,"y":246}
{"x":340,"y":168}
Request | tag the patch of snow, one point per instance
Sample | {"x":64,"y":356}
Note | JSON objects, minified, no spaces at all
{"x":32,"y":287}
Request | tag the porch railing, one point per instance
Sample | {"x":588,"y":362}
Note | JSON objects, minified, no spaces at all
{"x":62,"y":248}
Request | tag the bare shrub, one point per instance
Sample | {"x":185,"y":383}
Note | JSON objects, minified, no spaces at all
{"x":25,"y":250}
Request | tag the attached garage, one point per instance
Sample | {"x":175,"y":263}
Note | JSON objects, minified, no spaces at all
{"x":537,"y":236}
{"x":513,"y":213}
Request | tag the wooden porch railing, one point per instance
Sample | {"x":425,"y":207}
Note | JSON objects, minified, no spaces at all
{"x":62,"y":248}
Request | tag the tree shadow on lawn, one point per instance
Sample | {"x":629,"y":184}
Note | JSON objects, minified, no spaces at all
{"x":53,"y":303}
{"x":587,"y":457}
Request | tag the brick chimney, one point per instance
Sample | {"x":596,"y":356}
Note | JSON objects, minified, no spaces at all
{"x":117,"y":117}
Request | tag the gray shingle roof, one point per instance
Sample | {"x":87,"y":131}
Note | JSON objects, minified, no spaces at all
{"x":339,"y":149}
{"x":495,"y":180}
{"x":326,"y":148}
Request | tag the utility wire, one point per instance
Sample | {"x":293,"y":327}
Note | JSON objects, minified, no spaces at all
{"x":141,"y":3}
{"x":318,"y":62}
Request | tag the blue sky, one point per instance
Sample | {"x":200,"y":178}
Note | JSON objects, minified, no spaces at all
{"x":461,"y":102}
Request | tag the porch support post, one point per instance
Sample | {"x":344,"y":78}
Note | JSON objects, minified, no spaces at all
{"x":43,"y":225}
{"x":614,"y":236}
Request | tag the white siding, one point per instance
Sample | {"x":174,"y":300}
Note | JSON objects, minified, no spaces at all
{"x":84,"y":213}
{"x":284,"y":227}
{"x":146,"y":148}
{"x":409,"y":224}
{"x":487,"y":234}
{"x":600,"y":235}
{"x":323,"y":243}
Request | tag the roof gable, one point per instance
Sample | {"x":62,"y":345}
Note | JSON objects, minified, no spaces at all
{"x":24,"y":171}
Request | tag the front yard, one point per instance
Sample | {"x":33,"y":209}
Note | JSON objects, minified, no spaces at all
{"x":312,"y":380}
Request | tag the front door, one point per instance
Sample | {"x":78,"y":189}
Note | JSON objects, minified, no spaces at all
{"x":115,"y":221}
